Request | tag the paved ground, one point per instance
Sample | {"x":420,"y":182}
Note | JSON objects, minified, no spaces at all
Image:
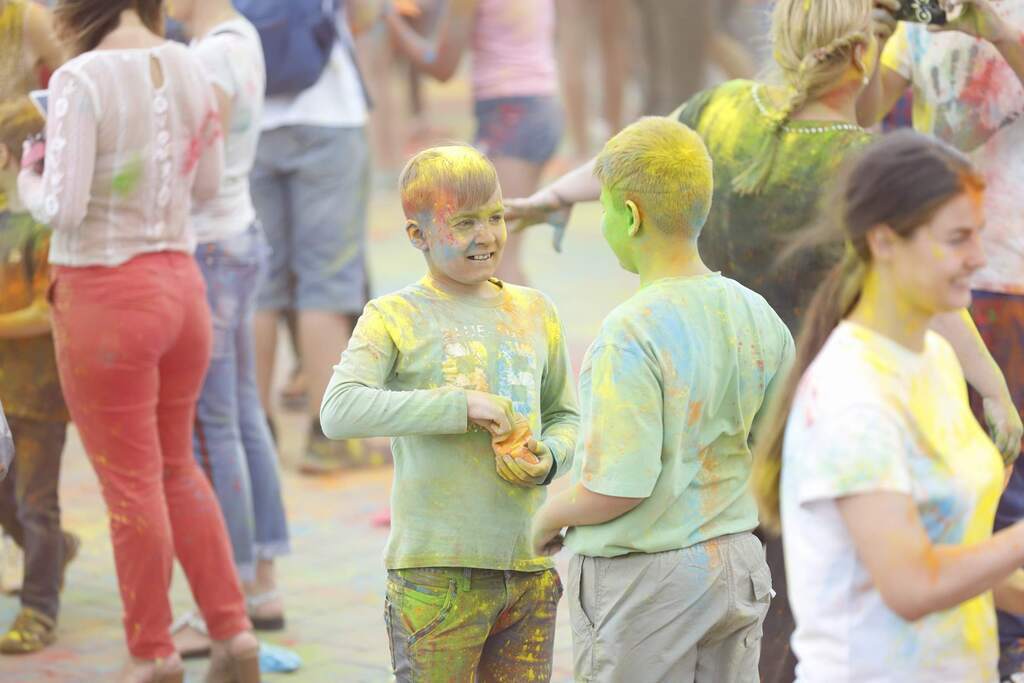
{"x":333,"y":582}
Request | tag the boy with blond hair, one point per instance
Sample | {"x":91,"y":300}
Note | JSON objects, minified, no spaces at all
{"x":667,"y":579}
{"x":31,"y":395}
{"x":445,"y":366}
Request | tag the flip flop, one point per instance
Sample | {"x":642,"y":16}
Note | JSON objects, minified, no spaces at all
{"x":195,"y":622}
{"x":254,"y":602}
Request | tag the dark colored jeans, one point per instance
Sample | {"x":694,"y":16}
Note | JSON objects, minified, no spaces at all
{"x":30,"y":512}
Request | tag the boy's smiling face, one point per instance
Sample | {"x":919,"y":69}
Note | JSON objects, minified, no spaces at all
{"x":462,"y":245}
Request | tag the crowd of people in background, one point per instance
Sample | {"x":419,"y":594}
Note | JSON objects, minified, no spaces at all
{"x":792,"y":452}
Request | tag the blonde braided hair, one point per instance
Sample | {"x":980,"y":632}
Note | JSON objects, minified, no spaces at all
{"x":813,"y":43}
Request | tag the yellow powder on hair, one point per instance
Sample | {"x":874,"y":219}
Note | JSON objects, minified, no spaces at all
{"x":442,"y":180}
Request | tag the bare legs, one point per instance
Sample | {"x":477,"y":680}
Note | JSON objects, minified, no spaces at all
{"x":518,"y":178}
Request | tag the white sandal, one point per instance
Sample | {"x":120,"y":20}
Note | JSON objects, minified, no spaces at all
{"x":195,"y":622}
{"x":254,"y":602}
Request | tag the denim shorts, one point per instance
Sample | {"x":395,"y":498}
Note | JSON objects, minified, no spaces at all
{"x":527,"y":128}
{"x":311,"y":189}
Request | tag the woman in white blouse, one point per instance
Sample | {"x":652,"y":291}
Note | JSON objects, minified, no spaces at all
{"x":133,"y":138}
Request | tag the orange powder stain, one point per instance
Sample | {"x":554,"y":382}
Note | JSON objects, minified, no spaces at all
{"x":514,"y":443}
{"x":695,"y":410}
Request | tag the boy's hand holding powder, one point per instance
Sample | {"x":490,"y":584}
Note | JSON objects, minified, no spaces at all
{"x":519,"y":458}
{"x":490,"y":412}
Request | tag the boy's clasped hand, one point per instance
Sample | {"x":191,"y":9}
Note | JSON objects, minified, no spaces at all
{"x":518,"y":457}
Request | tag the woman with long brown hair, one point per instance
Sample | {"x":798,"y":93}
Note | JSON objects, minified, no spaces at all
{"x":888,"y":484}
{"x":133,"y":136}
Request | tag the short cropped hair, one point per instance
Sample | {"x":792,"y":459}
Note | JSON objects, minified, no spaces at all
{"x":19,"y":120}
{"x":446,"y":178}
{"x":664,"y":167}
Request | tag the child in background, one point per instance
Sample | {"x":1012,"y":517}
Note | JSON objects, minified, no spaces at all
{"x":443,"y":366}
{"x":31,"y":395}
{"x":515,"y":86}
{"x":667,"y":578}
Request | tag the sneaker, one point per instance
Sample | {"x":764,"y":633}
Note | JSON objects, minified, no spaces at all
{"x":365,"y":453}
{"x":30,"y":632}
{"x":322,"y":456}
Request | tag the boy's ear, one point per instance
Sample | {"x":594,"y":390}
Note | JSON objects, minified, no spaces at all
{"x":634,"y":217}
{"x":416,"y":236}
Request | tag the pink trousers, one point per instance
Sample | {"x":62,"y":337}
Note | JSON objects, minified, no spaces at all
{"x":133,"y":344}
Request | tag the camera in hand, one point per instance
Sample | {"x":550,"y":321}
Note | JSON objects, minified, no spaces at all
{"x":922,"y":12}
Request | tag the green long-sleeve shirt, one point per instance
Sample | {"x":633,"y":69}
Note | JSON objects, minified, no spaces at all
{"x":403,"y":375}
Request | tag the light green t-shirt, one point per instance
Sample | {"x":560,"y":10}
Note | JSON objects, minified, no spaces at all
{"x":402,"y":376}
{"x":669,"y":392}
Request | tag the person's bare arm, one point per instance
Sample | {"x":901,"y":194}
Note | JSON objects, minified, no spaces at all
{"x":880,"y":96}
{"x":363,"y":14}
{"x":225,"y":107}
{"x":982,"y":373}
{"x":578,"y":185}
{"x":1009,"y":595}
{"x":979,"y":19}
{"x":1011,"y":47}
{"x":886,"y":86}
{"x":731,"y":56}
{"x":40,"y":38}
{"x":439,"y":58}
{"x":577,"y":506}
{"x":31,"y":321}
{"x":914,"y":577}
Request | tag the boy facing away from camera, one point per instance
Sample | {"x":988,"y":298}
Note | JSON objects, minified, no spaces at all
{"x":454,"y":367}
{"x":667,"y":582}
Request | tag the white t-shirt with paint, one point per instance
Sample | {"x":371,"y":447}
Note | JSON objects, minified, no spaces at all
{"x":966,"y":94}
{"x":872,"y":416}
{"x":232,"y":57}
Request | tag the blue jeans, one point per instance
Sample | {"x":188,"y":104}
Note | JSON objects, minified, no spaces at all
{"x":232,"y":442}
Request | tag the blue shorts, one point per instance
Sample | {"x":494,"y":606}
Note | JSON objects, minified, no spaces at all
{"x":311,"y":189}
{"x":527,"y":128}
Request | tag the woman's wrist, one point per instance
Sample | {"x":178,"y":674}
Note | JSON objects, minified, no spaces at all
{"x":559,"y":200}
